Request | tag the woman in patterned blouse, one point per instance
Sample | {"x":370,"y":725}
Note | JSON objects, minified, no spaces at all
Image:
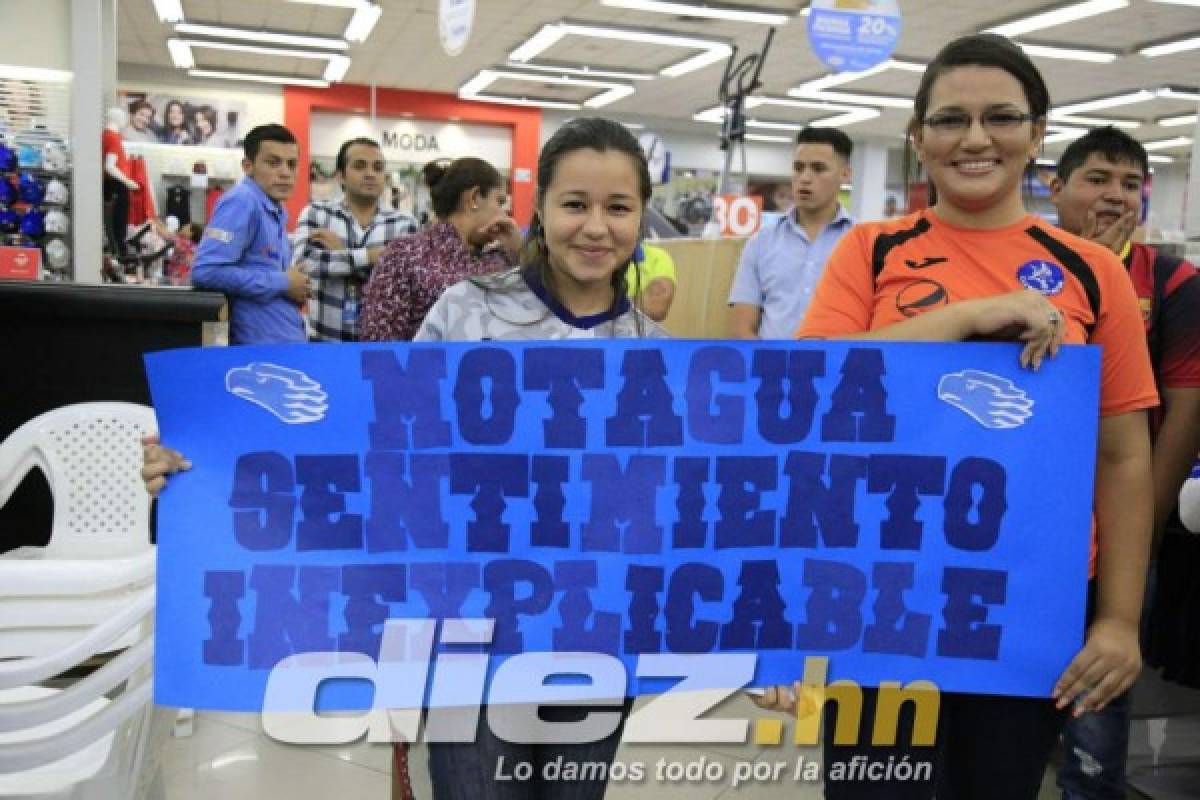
{"x":468,"y":199}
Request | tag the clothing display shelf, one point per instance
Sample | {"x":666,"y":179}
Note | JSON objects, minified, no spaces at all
{"x":34,"y":114}
{"x":169,"y":165}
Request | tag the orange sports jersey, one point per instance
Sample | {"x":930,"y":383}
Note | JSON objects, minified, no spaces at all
{"x":882,"y":273}
{"x":925,"y":263}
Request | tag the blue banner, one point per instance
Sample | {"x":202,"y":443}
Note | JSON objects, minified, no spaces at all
{"x":911,"y":511}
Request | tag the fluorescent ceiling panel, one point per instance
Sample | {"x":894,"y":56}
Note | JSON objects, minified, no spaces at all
{"x":1175,"y":93}
{"x":363,"y":22}
{"x":1069,"y":53}
{"x":1171,"y":47}
{"x":766,"y":137}
{"x":820,"y":88}
{"x":261,"y":50}
{"x":331,"y":3}
{"x":1095,"y":122}
{"x":841,"y":114}
{"x":268,"y":37}
{"x":1062,"y":133}
{"x":335,"y":67}
{"x":1057,"y":16}
{"x":169,"y":10}
{"x":17,"y":73}
{"x":181,"y":54}
{"x":548,"y":35}
{"x":474,"y":89}
{"x":1171,"y":122}
{"x":256,"y":77}
{"x":1112,"y":101}
{"x":762,"y":16}
{"x":1166,"y":144}
{"x":1155,"y":158}
{"x":587,"y":72}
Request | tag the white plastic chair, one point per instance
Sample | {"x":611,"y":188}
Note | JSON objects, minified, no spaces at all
{"x":99,"y":553}
{"x":98,"y":738}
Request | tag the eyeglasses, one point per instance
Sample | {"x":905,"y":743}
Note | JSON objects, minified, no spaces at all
{"x":959,"y":121}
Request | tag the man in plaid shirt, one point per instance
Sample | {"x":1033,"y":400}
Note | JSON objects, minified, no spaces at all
{"x":340,"y":241}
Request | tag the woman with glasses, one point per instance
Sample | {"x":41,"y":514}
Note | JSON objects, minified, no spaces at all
{"x":977,"y":265}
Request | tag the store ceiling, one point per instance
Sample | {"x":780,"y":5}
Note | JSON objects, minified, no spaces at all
{"x":403,"y":51}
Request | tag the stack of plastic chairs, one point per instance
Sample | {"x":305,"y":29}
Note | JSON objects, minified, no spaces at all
{"x":77,"y":718}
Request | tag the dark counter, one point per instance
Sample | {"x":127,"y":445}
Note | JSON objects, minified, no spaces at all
{"x":75,"y":343}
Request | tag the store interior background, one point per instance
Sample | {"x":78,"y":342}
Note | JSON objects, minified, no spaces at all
{"x":121,"y":46}
{"x":85,"y":53}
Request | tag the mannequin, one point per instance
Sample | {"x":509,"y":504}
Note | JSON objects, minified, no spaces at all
{"x":117,"y":182}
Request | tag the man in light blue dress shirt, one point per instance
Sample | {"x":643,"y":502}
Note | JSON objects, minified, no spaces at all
{"x":245,"y":251}
{"x":781,"y":264}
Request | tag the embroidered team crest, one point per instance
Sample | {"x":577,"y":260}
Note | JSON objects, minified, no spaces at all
{"x":1045,"y":277}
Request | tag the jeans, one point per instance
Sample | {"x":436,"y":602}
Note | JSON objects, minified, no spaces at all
{"x":1095,"y":745}
{"x":1094,"y":748}
{"x":472,"y":771}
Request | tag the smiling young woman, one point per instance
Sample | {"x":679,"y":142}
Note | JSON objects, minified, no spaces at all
{"x":977,"y":266}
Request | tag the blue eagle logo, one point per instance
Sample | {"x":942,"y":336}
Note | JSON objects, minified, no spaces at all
{"x":1044,"y":277}
{"x":991,"y":400}
{"x":289,"y":394}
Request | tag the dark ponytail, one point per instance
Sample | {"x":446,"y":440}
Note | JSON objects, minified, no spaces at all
{"x":449,"y":180}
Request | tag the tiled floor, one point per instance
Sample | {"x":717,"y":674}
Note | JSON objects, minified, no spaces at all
{"x":229,"y":757}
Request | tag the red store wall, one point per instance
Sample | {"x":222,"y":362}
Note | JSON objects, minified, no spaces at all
{"x":299,"y":103}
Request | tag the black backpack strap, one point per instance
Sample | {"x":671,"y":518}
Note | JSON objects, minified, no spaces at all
{"x":1165,"y":266}
{"x":1076,"y":265}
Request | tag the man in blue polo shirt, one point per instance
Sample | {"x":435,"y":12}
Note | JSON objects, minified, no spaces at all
{"x":245,"y":251}
{"x":782,"y":263}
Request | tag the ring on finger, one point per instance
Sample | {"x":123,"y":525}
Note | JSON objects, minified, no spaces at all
{"x":1054,"y":316}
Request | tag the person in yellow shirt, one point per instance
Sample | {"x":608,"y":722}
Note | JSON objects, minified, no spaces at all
{"x":654,"y":288}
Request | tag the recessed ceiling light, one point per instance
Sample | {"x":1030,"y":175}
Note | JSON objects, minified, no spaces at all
{"x":707,"y":10}
{"x":766,"y":137}
{"x":1171,"y":47}
{"x":549,"y":35}
{"x":1057,"y":16}
{"x":1160,"y":159}
{"x":1124,"y":99}
{"x":257,"y":77}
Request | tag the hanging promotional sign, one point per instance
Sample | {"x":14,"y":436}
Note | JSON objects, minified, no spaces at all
{"x":455,"y":19}
{"x":853,"y":35}
{"x":885,"y":506}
